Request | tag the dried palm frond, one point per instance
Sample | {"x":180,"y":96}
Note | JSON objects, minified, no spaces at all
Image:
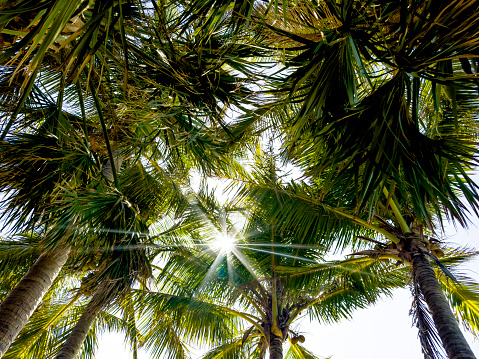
{"x":431,"y":344}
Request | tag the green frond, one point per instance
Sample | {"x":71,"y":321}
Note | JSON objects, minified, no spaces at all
{"x":464,"y":299}
{"x":194,"y":320}
{"x":232,"y":349}
{"x":356,"y":289}
{"x":297,"y":351}
{"x":35,"y":167}
{"x":168,"y":344}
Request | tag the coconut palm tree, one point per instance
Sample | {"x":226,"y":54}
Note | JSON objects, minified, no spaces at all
{"x":267,"y":277}
{"x":35,"y":166}
{"x":115,"y":246}
{"x":64,"y":322}
{"x":311,"y":211}
{"x":24,"y":253}
{"x":19,"y":305}
{"x":114,"y":224}
{"x":373,"y":104}
{"x":20,"y":252}
{"x":416,"y":248}
{"x":270,"y":272}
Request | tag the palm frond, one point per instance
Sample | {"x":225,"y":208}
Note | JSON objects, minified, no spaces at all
{"x":297,"y":351}
{"x":232,"y":349}
{"x":464,"y":299}
{"x":431,"y":344}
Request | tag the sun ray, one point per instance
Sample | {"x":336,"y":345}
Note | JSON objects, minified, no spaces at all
{"x":223,"y":243}
{"x":209,"y":274}
{"x":300,"y":246}
{"x":245,"y":262}
{"x":231,"y":269}
{"x":281,"y":254}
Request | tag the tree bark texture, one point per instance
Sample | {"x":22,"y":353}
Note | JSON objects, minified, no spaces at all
{"x":446,"y":323}
{"x":18,"y":306}
{"x":108,"y":169}
{"x":276,"y":348}
{"x":74,"y":342}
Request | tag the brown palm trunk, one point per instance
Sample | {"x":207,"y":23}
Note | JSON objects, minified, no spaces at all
{"x":117,"y":161}
{"x":75,"y":340}
{"x":446,"y":324}
{"x":276,"y":348}
{"x":20,"y":303}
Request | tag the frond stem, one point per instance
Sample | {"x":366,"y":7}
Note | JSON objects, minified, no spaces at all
{"x":105,"y":133}
{"x":83,"y":113}
{"x":248,"y":317}
{"x":402,"y":222}
{"x":252,"y":302}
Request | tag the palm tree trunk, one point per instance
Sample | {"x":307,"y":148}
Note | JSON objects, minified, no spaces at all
{"x":74,"y":342}
{"x":117,"y":161}
{"x":18,"y":306}
{"x":446,"y":324}
{"x":276,"y":348}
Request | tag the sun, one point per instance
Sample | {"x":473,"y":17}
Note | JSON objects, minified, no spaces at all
{"x":224,"y":243}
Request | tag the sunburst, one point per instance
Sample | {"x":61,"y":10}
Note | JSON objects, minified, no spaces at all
{"x":223,"y":243}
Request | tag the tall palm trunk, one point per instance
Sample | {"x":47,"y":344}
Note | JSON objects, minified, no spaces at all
{"x":276,"y":348}
{"x":452,"y":338}
{"x":75,"y":340}
{"x":20,"y":303}
{"x":117,"y":161}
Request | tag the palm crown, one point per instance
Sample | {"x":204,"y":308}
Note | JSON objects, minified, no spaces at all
{"x":372,"y":100}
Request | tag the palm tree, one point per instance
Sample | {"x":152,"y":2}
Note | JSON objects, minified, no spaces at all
{"x":19,"y":305}
{"x":182,"y":132}
{"x":96,"y":130}
{"x":415,"y":248}
{"x":76,"y":308}
{"x":116,"y":266}
{"x":268,"y":277}
{"x":30,"y":184}
{"x":373,"y":104}
{"x":21,"y":253}
{"x":116,"y":223}
{"x":380,"y":92}
{"x":109,"y":289}
{"x":310,"y":211}
{"x":356,"y":77}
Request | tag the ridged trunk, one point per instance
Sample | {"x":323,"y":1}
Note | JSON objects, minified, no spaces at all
{"x":276,"y":348}
{"x":74,"y":342}
{"x":446,"y":323}
{"x":18,"y":306}
{"x":117,"y":161}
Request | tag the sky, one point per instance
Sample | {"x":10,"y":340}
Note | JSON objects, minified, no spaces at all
{"x":383,"y":330}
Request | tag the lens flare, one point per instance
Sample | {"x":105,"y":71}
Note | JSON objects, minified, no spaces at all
{"x":224,"y":243}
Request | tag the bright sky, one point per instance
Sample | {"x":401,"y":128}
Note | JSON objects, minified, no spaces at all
{"x":382,"y":331}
